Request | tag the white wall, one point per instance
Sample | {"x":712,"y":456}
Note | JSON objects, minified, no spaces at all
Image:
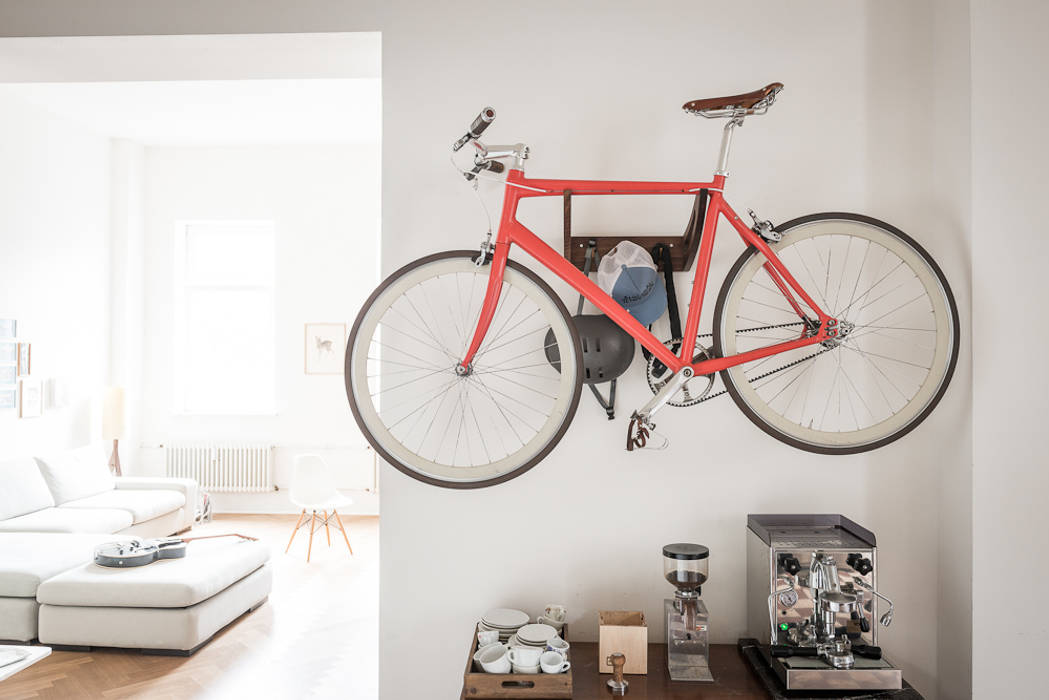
{"x":324,"y":201}
{"x":595,"y":90}
{"x":54,"y":270}
{"x":951,"y":204}
{"x":1011,"y":478}
{"x":597,"y":94}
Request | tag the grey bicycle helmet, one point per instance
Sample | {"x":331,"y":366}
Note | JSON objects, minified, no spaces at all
{"x":608,"y":350}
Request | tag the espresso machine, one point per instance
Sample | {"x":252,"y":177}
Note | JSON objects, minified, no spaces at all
{"x":688,"y":644}
{"x":813,"y":602}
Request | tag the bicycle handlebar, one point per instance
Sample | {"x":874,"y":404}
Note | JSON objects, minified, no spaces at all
{"x":480,"y":123}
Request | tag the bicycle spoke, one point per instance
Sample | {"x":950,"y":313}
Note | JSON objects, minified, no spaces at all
{"x":505,"y":409}
{"x":428,"y":331}
{"x":404,"y":352}
{"x":844,"y":266}
{"x":881,"y":372}
{"x":416,"y":339}
{"x":857,"y":348}
{"x":525,"y":386}
{"x":859,"y":275}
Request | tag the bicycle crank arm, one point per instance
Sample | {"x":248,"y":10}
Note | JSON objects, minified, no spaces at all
{"x":645,"y":413}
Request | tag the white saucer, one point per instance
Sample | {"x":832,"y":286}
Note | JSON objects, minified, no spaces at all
{"x":505,"y":618}
{"x":537,"y":634}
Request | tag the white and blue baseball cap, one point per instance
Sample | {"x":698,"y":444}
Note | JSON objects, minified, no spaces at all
{"x":629,"y":276}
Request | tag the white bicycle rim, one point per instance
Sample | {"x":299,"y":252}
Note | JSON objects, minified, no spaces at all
{"x":511,"y":406}
{"x":888,"y":368}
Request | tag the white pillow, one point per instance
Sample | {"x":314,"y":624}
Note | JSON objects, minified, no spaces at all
{"x":77,"y":473}
{"x":23,"y":488}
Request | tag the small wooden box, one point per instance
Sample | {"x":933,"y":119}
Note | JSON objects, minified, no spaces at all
{"x":539,"y":686}
{"x":624,"y":631}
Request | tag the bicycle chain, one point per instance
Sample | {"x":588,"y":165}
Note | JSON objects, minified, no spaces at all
{"x":716,"y":394}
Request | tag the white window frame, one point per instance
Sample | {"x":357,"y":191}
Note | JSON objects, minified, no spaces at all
{"x":181,"y":311}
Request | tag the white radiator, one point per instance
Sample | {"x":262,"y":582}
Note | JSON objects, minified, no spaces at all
{"x":233,"y":468}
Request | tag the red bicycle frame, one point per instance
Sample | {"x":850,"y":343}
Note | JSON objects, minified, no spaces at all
{"x":513,"y":232}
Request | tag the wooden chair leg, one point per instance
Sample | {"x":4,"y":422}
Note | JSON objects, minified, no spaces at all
{"x":313,"y":519}
{"x":326,"y":530}
{"x":343,"y":528}
{"x":297,"y":523}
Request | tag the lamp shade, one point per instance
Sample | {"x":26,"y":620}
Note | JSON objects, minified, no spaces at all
{"x":113,"y":414}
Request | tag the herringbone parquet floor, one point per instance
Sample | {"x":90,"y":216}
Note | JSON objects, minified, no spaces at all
{"x":316,"y":636}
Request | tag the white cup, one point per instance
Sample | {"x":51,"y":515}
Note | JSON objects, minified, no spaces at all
{"x":555,"y":612}
{"x":526,"y":669}
{"x":486,"y":637}
{"x":559,"y":645}
{"x":481,"y":650}
{"x":553,"y":662}
{"x":525,"y":656}
{"x":495,"y":659}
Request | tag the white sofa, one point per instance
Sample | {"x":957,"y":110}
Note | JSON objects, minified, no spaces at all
{"x":55,"y":509}
{"x":73,"y":491}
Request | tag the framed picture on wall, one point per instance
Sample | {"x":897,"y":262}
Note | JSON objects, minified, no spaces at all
{"x":30,"y":398}
{"x":8,"y":328}
{"x":325,"y":348}
{"x":8,"y":377}
{"x":8,"y":398}
{"x":8,"y":353}
{"x":24,"y":355}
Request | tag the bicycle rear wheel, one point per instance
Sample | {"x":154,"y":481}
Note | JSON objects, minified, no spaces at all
{"x":462,"y":431}
{"x":895,"y":355}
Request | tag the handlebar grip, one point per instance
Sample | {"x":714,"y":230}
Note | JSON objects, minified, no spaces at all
{"x":486,"y":117}
{"x":494,"y":166}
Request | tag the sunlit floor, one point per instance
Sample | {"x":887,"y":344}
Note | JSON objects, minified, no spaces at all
{"x":316,"y":636}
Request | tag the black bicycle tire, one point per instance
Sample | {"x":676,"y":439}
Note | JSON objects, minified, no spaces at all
{"x":408,"y":471}
{"x":799,"y":444}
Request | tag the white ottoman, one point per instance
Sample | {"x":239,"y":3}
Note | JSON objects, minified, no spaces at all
{"x":26,"y":560}
{"x":171,"y":606}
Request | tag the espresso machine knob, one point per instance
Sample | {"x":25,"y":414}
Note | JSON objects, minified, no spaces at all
{"x":860,"y":563}
{"x":790,"y":563}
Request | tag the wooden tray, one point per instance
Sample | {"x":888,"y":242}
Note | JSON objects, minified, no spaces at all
{"x":683,"y":248}
{"x":545,"y":686}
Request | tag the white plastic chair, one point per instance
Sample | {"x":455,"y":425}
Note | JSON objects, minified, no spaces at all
{"x":313,"y":489}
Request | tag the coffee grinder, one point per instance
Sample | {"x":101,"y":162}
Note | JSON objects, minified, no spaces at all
{"x":688,"y":645}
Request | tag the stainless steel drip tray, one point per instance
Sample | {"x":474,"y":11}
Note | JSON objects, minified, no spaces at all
{"x":810,"y":673}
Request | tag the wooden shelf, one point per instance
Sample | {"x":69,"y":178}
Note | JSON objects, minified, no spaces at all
{"x":683,"y":248}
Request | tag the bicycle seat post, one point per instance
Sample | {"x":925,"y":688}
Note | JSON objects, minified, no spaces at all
{"x":726,"y":143}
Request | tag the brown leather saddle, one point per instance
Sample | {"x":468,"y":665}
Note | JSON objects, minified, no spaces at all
{"x":747,"y":101}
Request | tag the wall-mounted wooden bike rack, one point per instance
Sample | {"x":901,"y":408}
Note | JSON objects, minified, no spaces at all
{"x":683,"y":248}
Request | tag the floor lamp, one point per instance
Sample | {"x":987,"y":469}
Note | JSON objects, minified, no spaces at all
{"x":113,"y":423}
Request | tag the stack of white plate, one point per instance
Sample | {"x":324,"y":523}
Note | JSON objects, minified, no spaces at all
{"x":506,"y":621}
{"x":534,"y":635}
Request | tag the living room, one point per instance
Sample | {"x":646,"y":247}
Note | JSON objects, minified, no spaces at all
{"x":118,"y":152}
{"x":157,"y":335}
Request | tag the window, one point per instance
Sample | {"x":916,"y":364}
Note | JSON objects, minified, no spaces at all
{"x":224,"y":355}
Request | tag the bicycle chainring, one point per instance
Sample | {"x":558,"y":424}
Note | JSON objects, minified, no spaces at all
{"x":688,"y":395}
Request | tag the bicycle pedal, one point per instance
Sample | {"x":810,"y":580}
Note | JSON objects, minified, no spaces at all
{"x":637,"y":432}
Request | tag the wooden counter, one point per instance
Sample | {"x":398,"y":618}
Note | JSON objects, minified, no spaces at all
{"x":732,"y":677}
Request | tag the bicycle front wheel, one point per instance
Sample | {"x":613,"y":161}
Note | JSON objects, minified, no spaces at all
{"x":462,"y":431}
{"x":898,"y":341}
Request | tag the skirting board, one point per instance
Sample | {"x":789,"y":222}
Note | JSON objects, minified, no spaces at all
{"x":364,"y":503}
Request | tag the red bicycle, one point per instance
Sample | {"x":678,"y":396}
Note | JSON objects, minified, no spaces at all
{"x":835,"y":333}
